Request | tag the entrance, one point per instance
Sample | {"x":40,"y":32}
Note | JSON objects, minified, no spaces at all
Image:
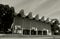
{"x":39,"y":32}
{"x":33,"y":32}
{"x":44,"y":32}
{"x":26,"y":32}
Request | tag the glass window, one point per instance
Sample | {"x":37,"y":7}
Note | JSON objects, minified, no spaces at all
{"x":39,"y":32}
{"x":44,"y":32}
{"x":33,"y":32}
{"x":26,"y":32}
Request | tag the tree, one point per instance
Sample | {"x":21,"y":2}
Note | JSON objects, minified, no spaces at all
{"x":54,"y":26}
{"x":6,"y":17}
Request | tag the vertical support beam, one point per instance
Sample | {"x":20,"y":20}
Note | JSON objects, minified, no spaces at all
{"x":30,"y":31}
{"x":36,"y":32}
{"x":42,"y":32}
{"x":22,"y":31}
{"x":47,"y":32}
{"x":30,"y":27}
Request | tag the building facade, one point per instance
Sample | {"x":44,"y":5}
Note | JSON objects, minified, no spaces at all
{"x":27,"y":25}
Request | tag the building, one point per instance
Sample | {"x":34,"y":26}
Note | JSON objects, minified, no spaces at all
{"x":28,"y":25}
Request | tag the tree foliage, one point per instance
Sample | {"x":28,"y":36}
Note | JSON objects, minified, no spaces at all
{"x":6,"y":17}
{"x":55,"y":27}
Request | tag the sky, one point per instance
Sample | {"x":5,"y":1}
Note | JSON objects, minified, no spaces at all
{"x":47,"y":8}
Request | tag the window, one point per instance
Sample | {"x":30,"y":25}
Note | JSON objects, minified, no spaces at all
{"x":33,"y":32}
{"x":44,"y":32}
{"x":26,"y":32}
{"x":39,"y":32}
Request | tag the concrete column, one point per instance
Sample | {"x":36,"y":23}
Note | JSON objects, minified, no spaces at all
{"x":22,"y":31}
{"x":42,"y":32}
{"x":36,"y":32}
{"x":47,"y":32}
{"x":30,"y":31}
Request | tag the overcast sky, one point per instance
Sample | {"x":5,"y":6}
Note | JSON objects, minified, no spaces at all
{"x":47,"y":8}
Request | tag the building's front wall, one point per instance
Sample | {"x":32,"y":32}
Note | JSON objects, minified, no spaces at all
{"x":27,"y":23}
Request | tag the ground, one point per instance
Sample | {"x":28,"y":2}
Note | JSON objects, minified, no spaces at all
{"x":17,"y":36}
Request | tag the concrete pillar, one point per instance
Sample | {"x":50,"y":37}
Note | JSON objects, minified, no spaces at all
{"x":42,"y":32}
{"x":30,"y":31}
{"x":22,"y":31}
{"x":36,"y":31}
{"x":47,"y":32}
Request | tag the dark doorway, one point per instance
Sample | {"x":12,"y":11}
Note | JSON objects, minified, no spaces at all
{"x":44,"y":32}
{"x":33,"y":32}
{"x":26,"y":32}
{"x":39,"y":32}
